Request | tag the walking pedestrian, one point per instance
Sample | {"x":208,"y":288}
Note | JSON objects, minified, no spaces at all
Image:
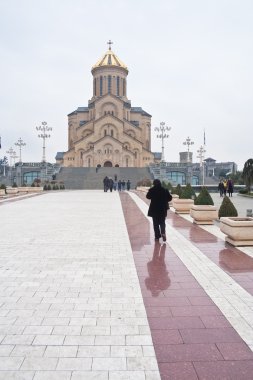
{"x":106,"y":183}
{"x":230,"y":187}
{"x":158,"y":208}
{"x":110,"y":184}
{"x":221,"y":188}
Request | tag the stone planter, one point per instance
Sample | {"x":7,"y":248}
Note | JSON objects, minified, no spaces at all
{"x":182,"y":206}
{"x":22,"y":189}
{"x":2,"y":192}
{"x":239,"y":230}
{"x":34,"y":189}
{"x":204,"y":214}
{"x":174,"y":196}
{"x":143,"y":189}
{"x":12,"y":190}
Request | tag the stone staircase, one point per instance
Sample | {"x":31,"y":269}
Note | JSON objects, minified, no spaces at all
{"x":88,"y":178}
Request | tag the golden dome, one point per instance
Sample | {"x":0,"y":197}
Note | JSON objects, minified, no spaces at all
{"x":109,"y":59}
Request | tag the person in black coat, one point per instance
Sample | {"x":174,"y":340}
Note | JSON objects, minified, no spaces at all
{"x":158,"y":208}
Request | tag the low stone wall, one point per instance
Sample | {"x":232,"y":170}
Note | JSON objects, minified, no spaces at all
{"x":23,"y":190}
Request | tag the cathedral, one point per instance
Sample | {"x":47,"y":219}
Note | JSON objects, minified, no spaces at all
{"x":109,"y":132}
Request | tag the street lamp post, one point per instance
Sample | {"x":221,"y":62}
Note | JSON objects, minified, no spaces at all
{"x":188,"y":142}
{"x":20,"y":143}
{"x":14,"y":156}
{"x":162,"y":134}
{"x":4,"y":163}
{"x":44,"y":135}
{"x":201,"y":157}
{"x":10,"y":152}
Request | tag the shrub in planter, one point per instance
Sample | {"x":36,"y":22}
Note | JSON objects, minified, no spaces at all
{"x":37,"y":182}
{"x":14,"y":184}
{"x":49,"y":187}
{"x":183,"y":204}
{"x":45,"y":187}
{"x":33,"y":184}
{"x":227,"y":208}
{"x":203,"y":211}
{"x":167,"y":185}
{"x":188,"y":192}
{"x":204,"y":198}
{"x":178,"y":190}
{"x":3,"y":187}
{"x":144,"y":182}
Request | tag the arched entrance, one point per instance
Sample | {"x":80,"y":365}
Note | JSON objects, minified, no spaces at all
{"x":108,"y":164}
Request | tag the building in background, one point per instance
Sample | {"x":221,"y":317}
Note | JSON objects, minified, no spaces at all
{"x":109,"y":132}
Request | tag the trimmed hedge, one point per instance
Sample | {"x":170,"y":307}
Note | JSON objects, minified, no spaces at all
{"x":227,"y":208}
{"x":204,"y":198}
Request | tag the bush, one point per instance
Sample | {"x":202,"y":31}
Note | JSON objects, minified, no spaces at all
{"x":49,"y":187}
{"x":188,"y":192}
{"x":62,"y":187}
{"x":167,"y":185}
{"x":144,"y":182}
{"x":33,"y":184}
{"x":3,"y":187}
{"x":227,"y":208}
{"x":45,"y":187}
{"x":204,"y":198}
{"x":177,"y":190}
{"x":243,"y":191}
{"x":14,"y":184}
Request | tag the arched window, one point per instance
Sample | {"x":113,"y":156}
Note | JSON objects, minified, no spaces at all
{"x":109,"y":84}
{"x":124,"y":87}
{"x":29,"y":177}
{"x":101,"y":85}
{"x":95,"y":86}
{"x":117,"y":86}
{"x":176,"y":177}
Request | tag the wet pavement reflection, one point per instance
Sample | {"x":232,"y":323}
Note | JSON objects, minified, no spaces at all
{"x":158,"y":279}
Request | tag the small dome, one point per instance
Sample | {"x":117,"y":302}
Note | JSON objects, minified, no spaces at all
{"x":109,"y":59}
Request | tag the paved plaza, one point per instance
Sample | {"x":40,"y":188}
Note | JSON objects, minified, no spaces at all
{"x":86,"y":293}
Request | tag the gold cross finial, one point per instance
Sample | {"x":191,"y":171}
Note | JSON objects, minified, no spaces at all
{"x":109,"y":43}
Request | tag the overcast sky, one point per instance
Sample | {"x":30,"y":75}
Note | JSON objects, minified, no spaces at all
{"x":190,"y":65}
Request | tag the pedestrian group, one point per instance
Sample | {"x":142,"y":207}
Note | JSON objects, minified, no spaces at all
{"x":226,"y":186}
{"x":110,"y":184}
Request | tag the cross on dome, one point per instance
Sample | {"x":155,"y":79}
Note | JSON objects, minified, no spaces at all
{"x":109,"y":43}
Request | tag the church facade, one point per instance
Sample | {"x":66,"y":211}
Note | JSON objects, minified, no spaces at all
{"x":109,"y":131}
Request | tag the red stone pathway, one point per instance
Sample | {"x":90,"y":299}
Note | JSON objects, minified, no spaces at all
{"x":192,"y":338}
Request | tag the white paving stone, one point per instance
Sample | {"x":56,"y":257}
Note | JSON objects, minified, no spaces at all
{"x":70,"y":295}
{"x":52,"y":375}
{"x":90,"y":375}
